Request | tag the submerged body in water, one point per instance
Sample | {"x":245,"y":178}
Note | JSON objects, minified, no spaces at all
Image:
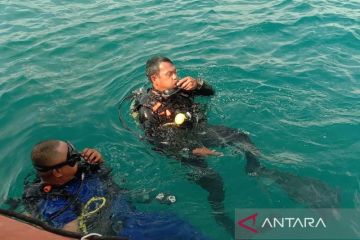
{"x":73,"y":192}
{"x":189,"y":139}
{"x":178,"y":140}
{"x":101,"y":207}
{"x":177,"y":126}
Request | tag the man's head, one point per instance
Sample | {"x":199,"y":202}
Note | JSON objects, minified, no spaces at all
{"x":55,"y":161}
{"x":162,"y":73}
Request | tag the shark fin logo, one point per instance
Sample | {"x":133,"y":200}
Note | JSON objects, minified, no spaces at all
{"x":251,"y":217}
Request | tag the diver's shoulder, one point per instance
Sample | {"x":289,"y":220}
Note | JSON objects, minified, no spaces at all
{"x":143,"y":95}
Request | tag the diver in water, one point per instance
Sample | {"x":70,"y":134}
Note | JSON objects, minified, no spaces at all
{"x":80,"y":196}
{"x":173,"y":121}
{"x":177,"y":126}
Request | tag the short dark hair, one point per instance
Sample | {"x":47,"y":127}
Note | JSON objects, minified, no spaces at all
{"x":43,"y":152}
{"x":152,"y":65}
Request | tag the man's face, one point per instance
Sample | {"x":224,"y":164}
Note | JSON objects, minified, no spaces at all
{"x":166,"y":78}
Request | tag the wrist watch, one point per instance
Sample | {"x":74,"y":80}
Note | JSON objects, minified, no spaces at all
{"x":200,"y":83}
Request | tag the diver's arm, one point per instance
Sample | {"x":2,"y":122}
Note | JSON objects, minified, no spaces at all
{"x":204,"y":89}
{"x":197,"y":87}
{"x":72,"y":226}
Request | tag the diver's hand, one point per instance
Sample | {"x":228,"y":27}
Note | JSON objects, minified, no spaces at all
{"x":187,"y":83}
{"x":92,"y":156}
{"x":204,"y":151}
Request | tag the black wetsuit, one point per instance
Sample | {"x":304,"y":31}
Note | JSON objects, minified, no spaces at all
{"x":156,"y":111}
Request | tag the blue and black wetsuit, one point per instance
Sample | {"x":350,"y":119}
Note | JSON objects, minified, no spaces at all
{"x":117,"y":217}
{"x":156,"y":110}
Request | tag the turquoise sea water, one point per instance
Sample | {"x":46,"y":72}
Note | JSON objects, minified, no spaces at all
{"x":287,"y":72}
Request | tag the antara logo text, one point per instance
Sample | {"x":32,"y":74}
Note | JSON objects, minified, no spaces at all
{"x":283,"y":222}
